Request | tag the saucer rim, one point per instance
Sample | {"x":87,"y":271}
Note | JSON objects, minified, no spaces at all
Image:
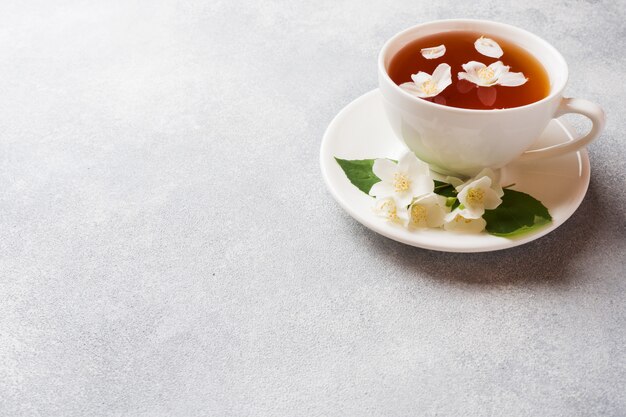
{"x":384,"y":229}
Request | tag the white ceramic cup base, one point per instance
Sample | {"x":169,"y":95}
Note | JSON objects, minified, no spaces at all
{"x":361,"y":131}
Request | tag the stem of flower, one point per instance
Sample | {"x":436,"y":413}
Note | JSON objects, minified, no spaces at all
{"x":509,"y":186}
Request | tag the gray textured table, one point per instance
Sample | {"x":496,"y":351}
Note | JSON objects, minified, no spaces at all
{"x":168,"y":247}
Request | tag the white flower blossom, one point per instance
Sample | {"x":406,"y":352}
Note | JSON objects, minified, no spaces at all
{"x":453,"y":181}
{"x":481,"y":193}
{"x":407,"y":179}
{"x":434,"y":52}
{"x":425,"y":85}
{"x":455,"y":222}
{"x":494,"y":74}
{"x":488,"y":47}
{"x":426,"y":211}
{"x":387,"y":208}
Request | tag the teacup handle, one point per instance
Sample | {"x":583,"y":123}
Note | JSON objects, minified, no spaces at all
{"x":571,"y":105}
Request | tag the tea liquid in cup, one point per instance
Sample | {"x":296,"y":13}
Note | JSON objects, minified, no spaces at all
{"x":460,"y":49}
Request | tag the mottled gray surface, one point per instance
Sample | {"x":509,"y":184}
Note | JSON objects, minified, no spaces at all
{"x":168,"y":246}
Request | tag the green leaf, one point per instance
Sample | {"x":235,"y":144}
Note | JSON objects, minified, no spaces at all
{"x":359,"y":172}
{"x":447,"y":190}
{"x":519,"y":213}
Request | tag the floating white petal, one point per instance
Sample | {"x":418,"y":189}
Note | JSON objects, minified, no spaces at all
{"x":488,"y":47}
{"x":494,"y":74}
{"x":434,"y":52}
{"x":425,"y":85}
{"x":512,"y":79}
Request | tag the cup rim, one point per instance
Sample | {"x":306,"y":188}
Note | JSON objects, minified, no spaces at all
{"x":556,"y":91}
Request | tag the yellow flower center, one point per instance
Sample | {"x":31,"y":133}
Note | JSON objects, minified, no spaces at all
{"x":486,"y":74}
{"x":391,"y":212}
{"x":400,"y":182}
{"x":475,"y":196}
{"x":459,"y":218}
{"x":429,"y":87}
{"x":418,"y":213}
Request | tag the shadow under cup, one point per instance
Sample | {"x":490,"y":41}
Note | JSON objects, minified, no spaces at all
{"x":457,"y":141}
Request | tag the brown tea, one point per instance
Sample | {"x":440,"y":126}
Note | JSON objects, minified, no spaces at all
{"x":460,"y":49}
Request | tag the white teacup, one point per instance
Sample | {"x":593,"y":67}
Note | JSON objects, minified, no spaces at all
{"x":464,"y":141}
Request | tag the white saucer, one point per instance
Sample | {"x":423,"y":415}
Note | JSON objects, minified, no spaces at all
{"x":361,"y":131}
